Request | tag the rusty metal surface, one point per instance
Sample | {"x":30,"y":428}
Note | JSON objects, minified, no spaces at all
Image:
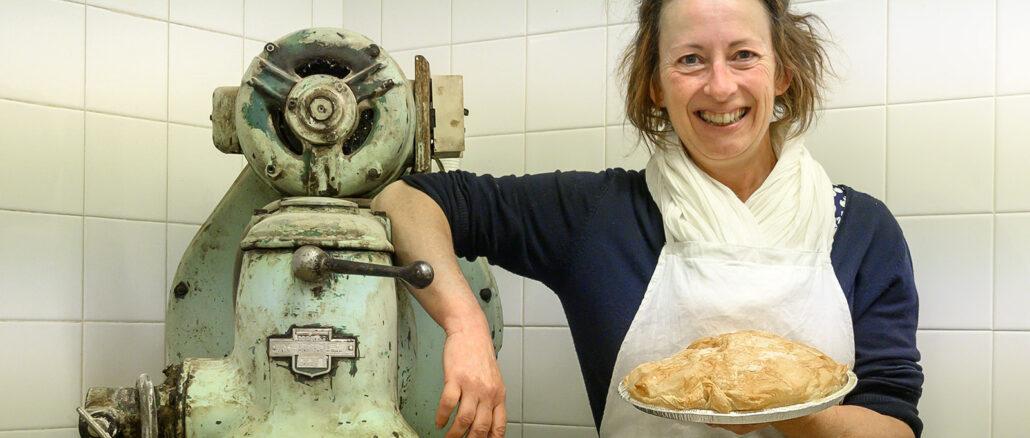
{"x":199,"y":312}
{"x":336,"y":227}
{"x":423,"y":124}
{"x":223,"y":120}
{"x":377,"y":149}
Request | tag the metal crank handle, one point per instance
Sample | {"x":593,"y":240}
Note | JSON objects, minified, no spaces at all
{"x":311,"y":263}
{"x":97,"y":427}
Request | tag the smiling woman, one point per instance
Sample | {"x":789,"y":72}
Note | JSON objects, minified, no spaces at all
{"x":732,"y":226}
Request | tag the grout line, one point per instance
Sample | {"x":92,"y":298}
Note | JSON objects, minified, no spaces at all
{"x":90,"y":216}
{"x":886,"y":101}
{"x":82,"y":249}
{"x":525,"y":157}
{"x":101,"y":112}
{"x":943,"y":215}
{"x":168,"y":144}
{"x":167,"y":20}
{"x":955,"y":330}
{"x":75,"y":321}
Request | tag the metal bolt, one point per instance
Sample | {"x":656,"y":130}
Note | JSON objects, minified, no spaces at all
{"x":181,"y":289}
{"x":321,"y":108}
{"x":373,"y":173}
{"x":373,"y":51}
{"x":271,"y":170}
{"x":486,"y":294}
{"x":291,"y":104}
{"x":270,"y":47}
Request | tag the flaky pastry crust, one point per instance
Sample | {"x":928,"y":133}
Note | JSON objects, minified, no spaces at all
{"x":741,"y":371}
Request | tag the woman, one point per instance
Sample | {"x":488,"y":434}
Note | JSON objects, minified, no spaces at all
{"x":732,"y":226}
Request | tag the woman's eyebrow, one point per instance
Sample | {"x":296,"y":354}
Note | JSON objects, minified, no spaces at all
{"x":696,"y":46}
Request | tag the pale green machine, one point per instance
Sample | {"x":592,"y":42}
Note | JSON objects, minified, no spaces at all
{"x":287,"y":317}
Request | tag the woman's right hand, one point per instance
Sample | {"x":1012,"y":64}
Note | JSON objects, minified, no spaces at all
{"x":472,"y":383}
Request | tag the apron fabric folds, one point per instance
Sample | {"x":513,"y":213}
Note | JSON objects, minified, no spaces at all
{"x":729,"y":265}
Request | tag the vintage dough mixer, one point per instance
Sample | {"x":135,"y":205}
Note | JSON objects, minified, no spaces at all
{"x":286,"y":317}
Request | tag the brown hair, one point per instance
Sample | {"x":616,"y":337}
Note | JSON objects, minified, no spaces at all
{"x":796,"y":43}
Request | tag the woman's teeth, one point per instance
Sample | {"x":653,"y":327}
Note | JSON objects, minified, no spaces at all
{"x":722,"y":119}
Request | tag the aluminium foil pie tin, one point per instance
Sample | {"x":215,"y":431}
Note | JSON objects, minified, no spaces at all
{"x":748,"y":417}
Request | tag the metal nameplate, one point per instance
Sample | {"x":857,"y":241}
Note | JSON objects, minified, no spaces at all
{"x":311,"y":350}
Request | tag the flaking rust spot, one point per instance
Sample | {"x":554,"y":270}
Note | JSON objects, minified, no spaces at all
{"x":317,"y":291}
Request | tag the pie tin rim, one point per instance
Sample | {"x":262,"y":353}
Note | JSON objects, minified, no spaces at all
{"x":749,"y":417}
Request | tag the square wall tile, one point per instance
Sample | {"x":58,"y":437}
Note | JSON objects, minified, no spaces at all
{"x":541,"y":306}
{"x":477,"y":20}
{"x":409,"y":24}
{"x":43,"y":376}
{"x":149,"y":8}
{"x":623,"y":148}
{"x":556,"y":15}
{"x":851,"y":144}
{"x":125,"y":270}
{"x":40,"y":266}
{"x":1013,"y":154}
{"x":327,"y":13}
{"x":364,"y":17}
{"x":126,"y":64}
{"x":496,"y":155}
{"x":43,"y":433}
{"x":940,"y":157}
{"x":270,"y":20}
{"x":179,"y":238}
{"x":957,"y":392}
{"x":579,"y":149}
{"x":553,"y":431}
{"x":926,"y":35}
{"x":514,"y":430}
{"x":494,"y":74}
{"x":223,"y":16}
{"x":439,"y":60}
{"x":510,"y":361}
{"x":1012,"y":42}
{"x":621,"y":11}
{"x":125,"y":167}
{"x":1012,"y":284}
{"x":200,"y":61}
{"x":510,"y":287}
{"x":615,"y":102}
{"x":251,"y":50}
{"x":28,"y":74}
{"x":553,"y":388}
{"x":198,"y":174}
{"x":1011,"y":384}
{"x":48,"y":174}
{"x":566,"y":80}
{"x":115,"y":354}
{"x":858,"y":31}
{"x":951,"y":257}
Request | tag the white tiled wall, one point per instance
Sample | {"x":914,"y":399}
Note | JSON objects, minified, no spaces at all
{"x":105,"y":120}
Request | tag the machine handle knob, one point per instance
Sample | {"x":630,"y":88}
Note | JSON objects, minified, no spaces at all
{"x":311,"y":263}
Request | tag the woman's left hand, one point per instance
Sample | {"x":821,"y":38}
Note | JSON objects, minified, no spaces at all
{"x":741,"y":429}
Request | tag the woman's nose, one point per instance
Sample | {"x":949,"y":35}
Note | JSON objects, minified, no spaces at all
{"x":721,"y":84}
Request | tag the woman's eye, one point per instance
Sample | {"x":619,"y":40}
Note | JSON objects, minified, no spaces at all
{"x":746,"y":55}
{"x":690,"y":60}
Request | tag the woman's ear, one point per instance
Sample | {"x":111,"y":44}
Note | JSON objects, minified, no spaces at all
{"x":783,"y":81}
{"x":656,"y":94}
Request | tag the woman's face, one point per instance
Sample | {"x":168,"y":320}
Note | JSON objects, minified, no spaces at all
{"x":717,"y":77}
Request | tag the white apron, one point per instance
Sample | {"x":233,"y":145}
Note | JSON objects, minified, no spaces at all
{"x":730,"y":266}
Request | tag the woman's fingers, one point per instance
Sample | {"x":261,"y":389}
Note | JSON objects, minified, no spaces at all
{"x":500,"y":421}
{"x":448,"y":400}
{"x":484,"y":419}
{"x":464,"y":419}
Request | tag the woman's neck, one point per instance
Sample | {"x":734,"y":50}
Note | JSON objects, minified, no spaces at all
{"x":744,"y":175}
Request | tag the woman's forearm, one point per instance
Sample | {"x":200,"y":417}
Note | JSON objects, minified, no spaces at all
{"x":420,"y":231}
{"x":845,"y":422}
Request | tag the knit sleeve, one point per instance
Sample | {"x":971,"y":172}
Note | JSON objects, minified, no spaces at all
{"x":525,"y":224}
{"x":885,"y":316}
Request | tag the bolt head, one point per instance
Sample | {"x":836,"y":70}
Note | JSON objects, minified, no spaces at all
{"x":321,"y":109}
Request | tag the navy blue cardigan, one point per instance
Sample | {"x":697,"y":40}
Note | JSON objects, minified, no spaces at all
{"x":594,"y":239}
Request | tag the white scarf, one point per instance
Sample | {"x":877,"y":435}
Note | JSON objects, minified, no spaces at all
{"x":792,"y":209}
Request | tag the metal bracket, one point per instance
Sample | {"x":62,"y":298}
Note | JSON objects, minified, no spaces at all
{"x":423,"y":122}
